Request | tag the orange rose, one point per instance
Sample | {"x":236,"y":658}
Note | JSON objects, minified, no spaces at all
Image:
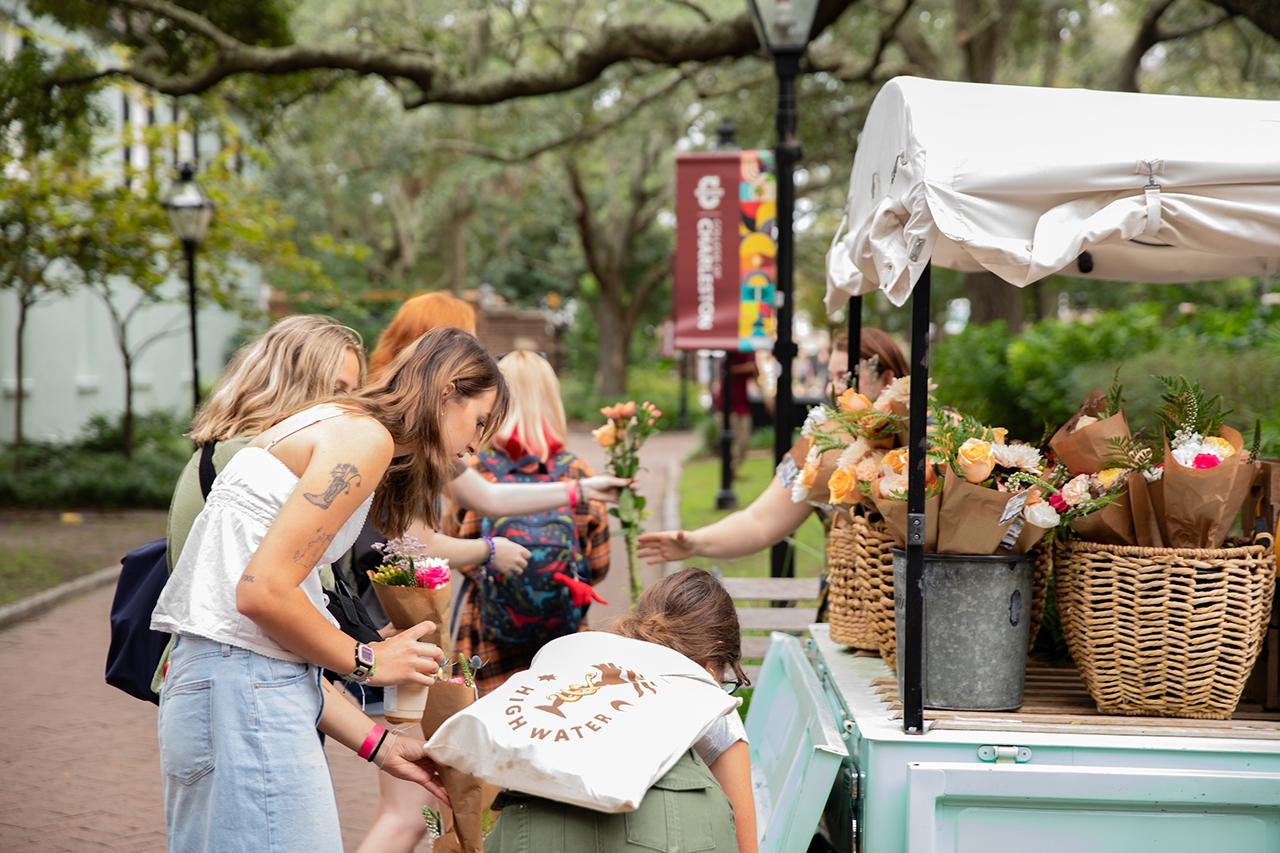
{"x":606,"y":436}
{"x":810,"y":472}
{"x":611,"y":412}
{"x":627,"y":410}
{"x":852,"y":401}
{"x":896,"y":459}
{"x":976,"y":460}
{"x":841,"y":485}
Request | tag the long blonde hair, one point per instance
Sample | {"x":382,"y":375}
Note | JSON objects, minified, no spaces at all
{"x":295,"y":362}
{"x":408,"y":399}
{"x":417,"y":316}
{"x":536,"y":408}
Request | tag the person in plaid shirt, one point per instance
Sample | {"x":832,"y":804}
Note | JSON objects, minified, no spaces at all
{"x":535,"y":426}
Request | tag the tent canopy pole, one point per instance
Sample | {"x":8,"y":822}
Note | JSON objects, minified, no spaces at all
{"x":911,"y":645}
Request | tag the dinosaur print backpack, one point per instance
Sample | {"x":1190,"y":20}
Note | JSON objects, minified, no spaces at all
{"x":533,"y":608}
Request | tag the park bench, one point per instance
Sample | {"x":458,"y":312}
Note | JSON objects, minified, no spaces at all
{"x":777,"y":604}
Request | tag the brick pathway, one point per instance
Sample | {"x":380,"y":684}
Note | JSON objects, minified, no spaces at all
{"x":79,"y":764}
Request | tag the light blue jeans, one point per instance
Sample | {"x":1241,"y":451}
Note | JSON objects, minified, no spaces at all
{"x":243,"y":765}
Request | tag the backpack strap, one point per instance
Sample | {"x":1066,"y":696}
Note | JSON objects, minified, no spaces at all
{"x":207,"y":472}
{"x":560,"y":463}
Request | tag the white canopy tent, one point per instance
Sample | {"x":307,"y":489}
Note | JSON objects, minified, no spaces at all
{"x":1020,"y":181}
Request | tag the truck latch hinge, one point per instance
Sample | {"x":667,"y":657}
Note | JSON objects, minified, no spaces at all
{"x":1005,"y":754}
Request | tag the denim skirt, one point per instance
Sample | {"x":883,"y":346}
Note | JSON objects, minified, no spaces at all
{"x":243,"y":765}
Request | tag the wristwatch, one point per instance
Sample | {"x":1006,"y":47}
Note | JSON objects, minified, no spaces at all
{"x":364,"y":663}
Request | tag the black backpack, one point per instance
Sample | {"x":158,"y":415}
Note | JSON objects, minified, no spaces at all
{"x":135,"y":651}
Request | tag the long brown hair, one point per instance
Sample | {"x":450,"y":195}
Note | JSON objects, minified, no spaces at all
{"x":877,"y":342}
{"x":409,"y":399}
{"x":294,"y":363}
{"x":691,"y":612}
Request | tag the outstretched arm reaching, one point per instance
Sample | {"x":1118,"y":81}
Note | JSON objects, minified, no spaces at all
{"x":767,"y":521}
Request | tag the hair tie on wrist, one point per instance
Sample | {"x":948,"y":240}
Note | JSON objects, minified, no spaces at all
{"x":493,"y":552}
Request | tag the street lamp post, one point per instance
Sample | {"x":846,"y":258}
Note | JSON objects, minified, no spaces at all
{"x":190,"y":211}
{"x":784,"y":27}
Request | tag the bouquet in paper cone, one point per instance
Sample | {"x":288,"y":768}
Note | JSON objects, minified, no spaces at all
{"x":1206,"y":474}
{"x":985,"y":508}
{"x":842,"y":445}
{"x":469,"y":797}
{"x":412,"y":588}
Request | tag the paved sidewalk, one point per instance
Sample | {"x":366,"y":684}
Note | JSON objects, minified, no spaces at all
{"x":79,"y":764}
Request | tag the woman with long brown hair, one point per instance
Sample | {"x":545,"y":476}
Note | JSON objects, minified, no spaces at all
{"x":243,"y":692}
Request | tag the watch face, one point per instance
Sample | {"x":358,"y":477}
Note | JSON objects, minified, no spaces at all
{"x":364,"y":655}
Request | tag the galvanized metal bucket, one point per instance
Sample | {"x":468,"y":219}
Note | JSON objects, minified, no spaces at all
{"x":977,"y":621}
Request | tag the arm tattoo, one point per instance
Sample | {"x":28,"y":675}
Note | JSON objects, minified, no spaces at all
{"x":344,"y":477}
{"x":311,"y":554}
{"x":246,"y":578}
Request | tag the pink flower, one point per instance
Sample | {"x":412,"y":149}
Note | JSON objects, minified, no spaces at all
{"x":1205,"y":460}
{"x":432,"y":577}
{"x":627,"y":410}
{"x":1076,"y":490}
{"x":1057,"y":503}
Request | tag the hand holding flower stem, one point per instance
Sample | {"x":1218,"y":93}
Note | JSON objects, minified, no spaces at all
{"x":625,"y":430}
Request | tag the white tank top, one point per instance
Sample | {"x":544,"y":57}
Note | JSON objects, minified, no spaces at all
{"x":200,"y":597}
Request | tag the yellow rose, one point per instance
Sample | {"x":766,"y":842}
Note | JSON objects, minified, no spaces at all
{"x":1107,"y":478}
{"x":852,"y":401}
{"x":606,"y":436}
{"x":841,"y":485}
{"x":976,"y":460}
{"x":1219,"y":447}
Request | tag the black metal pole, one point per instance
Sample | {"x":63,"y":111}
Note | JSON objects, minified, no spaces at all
{"x":911,"y":646}
{"x":682,"y":421}
{"x":787,"y":154}
{"x":726,"y":498}
{"x":189,"y":247}
{"x":855,"y":339}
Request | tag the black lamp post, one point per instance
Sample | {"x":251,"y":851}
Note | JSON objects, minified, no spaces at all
{"x":784,"y":27}
{"x":726,"y":498}
{"x":190,"y":211}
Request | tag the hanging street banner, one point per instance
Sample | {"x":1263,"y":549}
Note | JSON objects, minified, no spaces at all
{"x":725,"y":272}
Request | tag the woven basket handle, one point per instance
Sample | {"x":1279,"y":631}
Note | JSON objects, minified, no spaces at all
{"x":1265,"y":538}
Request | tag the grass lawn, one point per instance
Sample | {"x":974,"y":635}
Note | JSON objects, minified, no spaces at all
{"x":698,"y":487}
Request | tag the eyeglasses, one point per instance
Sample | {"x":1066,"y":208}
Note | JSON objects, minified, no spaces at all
{"x":732,"y":687}
{"x":543,"y":355}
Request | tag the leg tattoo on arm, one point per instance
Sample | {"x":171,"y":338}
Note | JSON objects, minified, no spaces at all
{"x":344,"y":477}
{"x":311,"y":554}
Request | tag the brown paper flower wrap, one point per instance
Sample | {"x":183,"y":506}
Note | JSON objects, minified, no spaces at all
{"x":406,"y":606}
{"x":1142,"y":505}
{"x":820,"y":476}
{"x":969,"y":518}
{"x":895,"y":517}
{"x":467,"y":793}
{"x":1111,"y":525}
{"x":1084,"y":451}
{"x":1200,"y":505}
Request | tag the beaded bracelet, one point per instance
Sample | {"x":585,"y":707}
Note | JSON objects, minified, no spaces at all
{"x":493,"y":552}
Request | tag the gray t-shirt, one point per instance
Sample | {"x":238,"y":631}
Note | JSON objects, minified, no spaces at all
{"x":724,"y":733}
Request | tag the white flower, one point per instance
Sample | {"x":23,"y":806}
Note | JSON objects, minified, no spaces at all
{"x":1085,"y":420}
{"x":1151,"y":475}
{"x":854,"y":452}
{"x":799,"y":492}
{"x":817,"y":416}
{"x":1186,"y":453}
{"x":1041,"y":515}
{"x":1022,"y":456}
{"x":899,"y":390}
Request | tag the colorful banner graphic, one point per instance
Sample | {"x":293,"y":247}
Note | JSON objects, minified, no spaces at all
{"x":725,"y":251}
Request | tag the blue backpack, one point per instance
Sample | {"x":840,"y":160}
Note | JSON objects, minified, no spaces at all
{"x":533,"y":608}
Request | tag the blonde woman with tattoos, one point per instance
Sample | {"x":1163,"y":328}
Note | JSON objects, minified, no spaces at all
{"x":243,"y":768}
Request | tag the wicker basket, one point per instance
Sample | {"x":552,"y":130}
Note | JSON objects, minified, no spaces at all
{"x":1165,"y":632}
{"x":1039,"y":590}
{"x":858,"y":563}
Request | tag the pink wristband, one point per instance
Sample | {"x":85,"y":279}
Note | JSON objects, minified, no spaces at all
{"x":371,"y":742}
{"x":571,"y":487}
